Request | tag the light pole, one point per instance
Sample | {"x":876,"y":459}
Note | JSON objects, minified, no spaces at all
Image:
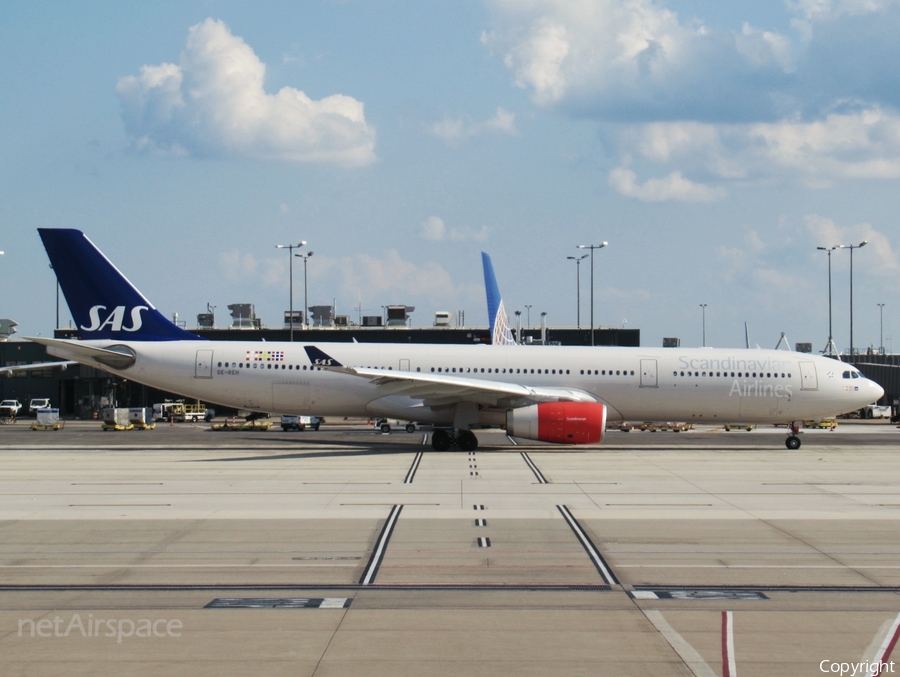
{"x":851,"y":247}
{"x":577,"y":260}
{"x":528,"y":316}
{"x":592,"y":247}
{"x":519,"y":326}
{"x":305,"y":258}
{"x":881,"y":333}
{"x":703,"y":308}
{"x":829,"y":347}
{"x":291,"y":248}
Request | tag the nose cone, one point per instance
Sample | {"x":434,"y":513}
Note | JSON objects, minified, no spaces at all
{"x":876,"y":390}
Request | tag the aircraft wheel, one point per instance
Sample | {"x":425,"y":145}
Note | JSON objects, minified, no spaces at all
{"x":467,"y":441}
{"x":440,"y":440}
{"x":792,"y":443}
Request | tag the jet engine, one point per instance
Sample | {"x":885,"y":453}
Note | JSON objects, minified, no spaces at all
{"x":559,"y":422}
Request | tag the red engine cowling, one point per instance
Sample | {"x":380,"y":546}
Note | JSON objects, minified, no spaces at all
{"x":559,"y":422}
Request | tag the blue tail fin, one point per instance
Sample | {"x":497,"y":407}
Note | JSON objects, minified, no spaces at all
{"x":501,"y":335}
{"x":104,"y":304}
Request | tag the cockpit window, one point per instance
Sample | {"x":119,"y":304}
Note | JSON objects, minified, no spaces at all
{"x":854,"y":374}
{"x":846,"y":374}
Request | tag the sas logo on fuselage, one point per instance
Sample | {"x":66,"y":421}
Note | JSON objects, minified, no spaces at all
{"x":115,"y":320}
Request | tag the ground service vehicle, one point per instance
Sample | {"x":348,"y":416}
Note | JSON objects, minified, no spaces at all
{"x":300,"y":422}
{"x":38,"y":403}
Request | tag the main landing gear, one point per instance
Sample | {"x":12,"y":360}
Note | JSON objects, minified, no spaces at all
{"x":793,"y":442}
{"x":442,"y":440}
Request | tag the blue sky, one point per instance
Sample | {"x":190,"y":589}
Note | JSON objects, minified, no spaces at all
{"x":713,"y":145}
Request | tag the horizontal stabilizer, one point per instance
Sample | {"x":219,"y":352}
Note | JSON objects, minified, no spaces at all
{"x":9,"y":371}
{"x":114,"y":357}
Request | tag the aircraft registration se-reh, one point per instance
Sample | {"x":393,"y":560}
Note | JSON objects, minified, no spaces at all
{"x":558,"y":394}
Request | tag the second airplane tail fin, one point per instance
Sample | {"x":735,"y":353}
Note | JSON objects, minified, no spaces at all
{"x":104,"y":304}
{"x":501,"y":334}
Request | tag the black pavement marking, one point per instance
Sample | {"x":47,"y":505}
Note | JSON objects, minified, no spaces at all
{"x":589,"y":547}
{"x":371,"y":569}
{"x":537,"y":473}
{"x":410,"y":475}
{"x":310,"y":586}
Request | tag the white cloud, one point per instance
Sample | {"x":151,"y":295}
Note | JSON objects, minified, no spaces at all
{"x":240,"y":267}
{"x":764,"y":48}
{"x":824,"y":10}
{"x":454,"y":131}
{"x":859,"y":144}
{"x":436,"y":230}
{"x":621,"y":59}
{"x":881,"y":259}
{"x":705,"y":107}
{"x":213,"y":104}
{"x":673,"y":187}
{"x":389,"y":273}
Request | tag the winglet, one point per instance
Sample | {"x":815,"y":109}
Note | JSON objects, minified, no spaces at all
{"x":501,"y":334}
{"x":318,"y":358}
{"x":104,"y":304}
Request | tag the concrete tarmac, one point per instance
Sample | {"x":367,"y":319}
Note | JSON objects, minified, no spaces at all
{"x":183,"y":551}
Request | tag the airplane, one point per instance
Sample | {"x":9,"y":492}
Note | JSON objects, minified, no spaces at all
{"x":557,"y":394}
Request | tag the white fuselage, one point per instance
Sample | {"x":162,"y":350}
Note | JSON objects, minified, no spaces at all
{"x":636,"y":384}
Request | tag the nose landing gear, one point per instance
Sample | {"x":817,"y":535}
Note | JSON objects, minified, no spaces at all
{"x":793,"y":442}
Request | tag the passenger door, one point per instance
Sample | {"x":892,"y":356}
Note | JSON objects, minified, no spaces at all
{"x":648,"y":374}
{"x":203,"y":364}
{"x":808,"y":378}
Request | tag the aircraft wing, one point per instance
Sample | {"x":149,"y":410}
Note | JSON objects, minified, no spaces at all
{"x":439,"y":389}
